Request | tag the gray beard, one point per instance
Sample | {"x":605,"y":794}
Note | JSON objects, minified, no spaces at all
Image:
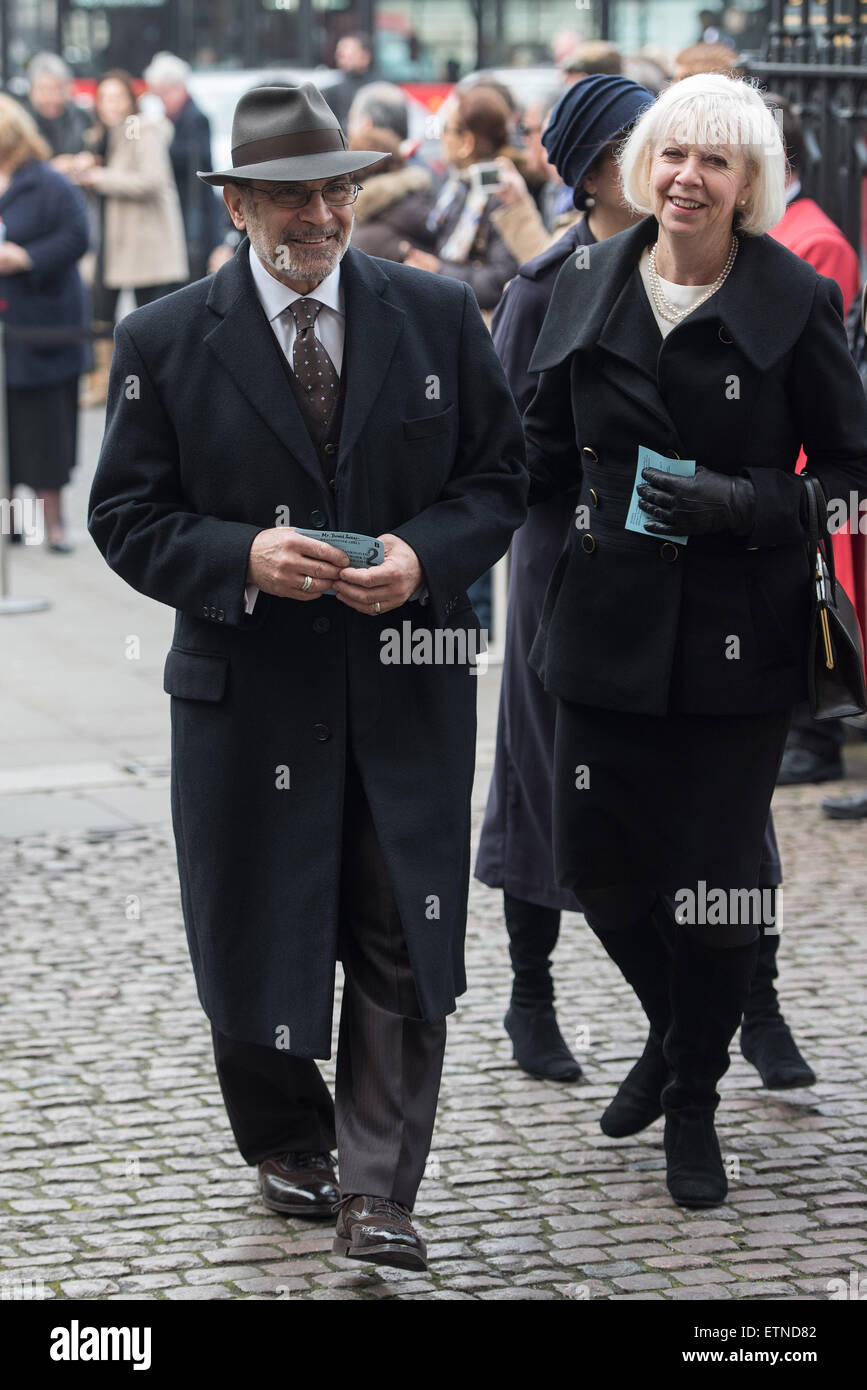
{"x":286,"y":263}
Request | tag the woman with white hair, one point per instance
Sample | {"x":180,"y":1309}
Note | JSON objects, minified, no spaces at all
{"x":683,"y":364}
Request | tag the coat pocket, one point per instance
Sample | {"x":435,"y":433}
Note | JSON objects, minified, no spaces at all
{"x":195,"y":675}
{"x":427,"y":425}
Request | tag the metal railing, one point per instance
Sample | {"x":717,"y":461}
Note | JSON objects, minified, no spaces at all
{"x":815,"y":56}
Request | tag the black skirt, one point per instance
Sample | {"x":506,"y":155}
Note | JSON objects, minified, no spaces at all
{"x":664,"y":802}
{"x":43,"y":434}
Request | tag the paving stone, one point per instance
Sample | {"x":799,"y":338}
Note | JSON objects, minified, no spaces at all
{"x":119,"y":1180}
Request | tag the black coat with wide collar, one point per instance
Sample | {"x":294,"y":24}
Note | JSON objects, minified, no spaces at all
{"x":635,"y":623}
{"x":204,"y":447}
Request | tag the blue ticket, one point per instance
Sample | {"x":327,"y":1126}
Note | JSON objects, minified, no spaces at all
{"x":636,"y":519}
{"x":363,"y":551}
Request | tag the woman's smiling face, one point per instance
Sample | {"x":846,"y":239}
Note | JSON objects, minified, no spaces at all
{"x":696,"y":189}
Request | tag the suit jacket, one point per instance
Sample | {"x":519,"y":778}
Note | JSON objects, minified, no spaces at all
{"x":719,"y":625}
{"x":204,"y":447}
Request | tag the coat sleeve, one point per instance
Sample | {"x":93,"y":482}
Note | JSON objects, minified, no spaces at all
{"x":485,"y":280}
{"x":64,"y":238}
{"x":139,"y":516}
{"x":514,"y":329}
{"x":522,"y":229}
{"x":830,"y":413}
{"x":553,"y":460}
{"x":152,"y":166}
{"x":461,"y":535}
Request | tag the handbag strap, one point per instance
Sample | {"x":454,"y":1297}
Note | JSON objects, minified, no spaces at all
{"x":817,"y":526}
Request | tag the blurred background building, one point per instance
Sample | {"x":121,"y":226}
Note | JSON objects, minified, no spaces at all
{"x":415,"y":40}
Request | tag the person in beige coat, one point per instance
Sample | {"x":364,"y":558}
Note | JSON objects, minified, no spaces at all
{"x":142,"y":246}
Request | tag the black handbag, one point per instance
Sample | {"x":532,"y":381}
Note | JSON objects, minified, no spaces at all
{"x":835,"y":658}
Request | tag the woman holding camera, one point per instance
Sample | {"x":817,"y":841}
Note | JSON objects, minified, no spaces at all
{"x":677,"y":651}
{"x":468,"y":247}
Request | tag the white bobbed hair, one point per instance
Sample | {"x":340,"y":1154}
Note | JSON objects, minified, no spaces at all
{"x":712,"y":110}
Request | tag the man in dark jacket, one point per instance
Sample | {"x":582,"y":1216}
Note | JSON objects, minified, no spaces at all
{"x":204,"y":217}
{"x":49,"y":101}
{"x":393,"y":205}
{"x":321,"y":774}
{"x":354,"y":57}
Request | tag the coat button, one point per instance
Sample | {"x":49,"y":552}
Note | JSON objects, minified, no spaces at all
{"x":317,"y":518}
{"x":330,"y":448}
{"x":205,"y":611}
{"x":591,"y":453}
{"x":594,"y":497}
{"x":212,"y":613}
{"x":221,"y":616}
{"x":321,"y":624}
{"x":669,"y":552}
{"x":321,"y":732}
{"x":588,"y":543}
{"x":723,"y":336}
{"x":332,"y":483}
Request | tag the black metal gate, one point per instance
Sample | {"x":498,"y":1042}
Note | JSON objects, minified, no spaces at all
{"x":816,"y":57}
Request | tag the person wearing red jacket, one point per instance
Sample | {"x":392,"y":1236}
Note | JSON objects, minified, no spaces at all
{"x":814,"y":750}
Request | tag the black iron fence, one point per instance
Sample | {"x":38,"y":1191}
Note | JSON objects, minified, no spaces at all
{"x":815,"y":55}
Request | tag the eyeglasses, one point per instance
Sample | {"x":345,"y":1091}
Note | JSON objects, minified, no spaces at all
{"x":287,"y":195}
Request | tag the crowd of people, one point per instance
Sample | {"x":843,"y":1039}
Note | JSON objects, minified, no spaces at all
{"x":618,"y":669}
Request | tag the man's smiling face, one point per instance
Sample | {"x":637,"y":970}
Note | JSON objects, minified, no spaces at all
{"x":299,"y":246}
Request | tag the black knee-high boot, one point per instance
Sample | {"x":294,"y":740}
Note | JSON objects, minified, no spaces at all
{"x":709,"y":988}
{"x":531,"y":1022}
{"x":640,"y":953}
{"x":766,"y":1041}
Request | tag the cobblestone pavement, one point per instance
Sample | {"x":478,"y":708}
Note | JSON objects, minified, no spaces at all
{"x":119,"y":1177}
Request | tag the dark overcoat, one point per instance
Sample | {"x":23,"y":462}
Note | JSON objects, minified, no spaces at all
{"x":516,"y":847}
{"x":204,"y":446}
{"x":636,"y":623}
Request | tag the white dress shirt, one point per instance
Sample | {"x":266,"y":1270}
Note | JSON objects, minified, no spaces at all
{"x":330,"y":328}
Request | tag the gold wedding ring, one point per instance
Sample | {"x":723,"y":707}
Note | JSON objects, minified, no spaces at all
{"x":308,"y":580}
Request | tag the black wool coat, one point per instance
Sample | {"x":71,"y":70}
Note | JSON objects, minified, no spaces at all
{"x":636,"y":623}
{"x":204,"y":445}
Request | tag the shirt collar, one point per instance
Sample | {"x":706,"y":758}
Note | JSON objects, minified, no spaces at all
{"x":275,"y":297}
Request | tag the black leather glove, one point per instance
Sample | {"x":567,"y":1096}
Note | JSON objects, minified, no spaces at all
{"x":697,"y":506}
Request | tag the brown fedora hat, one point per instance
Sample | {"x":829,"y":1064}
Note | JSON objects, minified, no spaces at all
{"x":288,"y":134}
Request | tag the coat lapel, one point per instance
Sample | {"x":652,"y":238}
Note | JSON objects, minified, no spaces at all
{"x":631,"y":340}
{"x":373,"y":327}
{"x":239,"y":341}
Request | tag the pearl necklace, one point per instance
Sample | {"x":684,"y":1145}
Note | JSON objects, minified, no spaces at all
{"x":671,"y":312}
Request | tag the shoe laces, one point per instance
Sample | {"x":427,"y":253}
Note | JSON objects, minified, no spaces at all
{"x":308,"y":1160}
{"x":379,"y":1206}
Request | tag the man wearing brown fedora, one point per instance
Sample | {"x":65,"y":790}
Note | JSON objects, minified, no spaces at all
{"x":320,"y":788}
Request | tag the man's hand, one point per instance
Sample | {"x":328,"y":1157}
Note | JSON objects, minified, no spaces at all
{"x":422,"y":260}
{"x":388,"y":585}
{"x":218,"y":257}
{"x":280,"y":560}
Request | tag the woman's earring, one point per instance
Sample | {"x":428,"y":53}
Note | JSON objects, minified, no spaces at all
{"x":589,"y":201}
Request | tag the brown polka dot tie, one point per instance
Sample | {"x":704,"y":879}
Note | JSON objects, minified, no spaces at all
{"x":311,"y":363}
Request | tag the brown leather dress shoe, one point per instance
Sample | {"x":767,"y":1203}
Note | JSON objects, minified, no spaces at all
{"x":378,"y":1231}
{"x":299,"y":1184}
